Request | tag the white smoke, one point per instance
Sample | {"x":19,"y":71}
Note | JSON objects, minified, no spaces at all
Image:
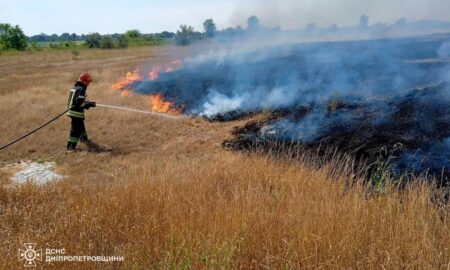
{"x":218,"y":103}
{"x":290,"y":14}
{"x":444,"y":50}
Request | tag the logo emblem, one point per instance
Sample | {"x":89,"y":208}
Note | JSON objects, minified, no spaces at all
{"x":30,"y":254}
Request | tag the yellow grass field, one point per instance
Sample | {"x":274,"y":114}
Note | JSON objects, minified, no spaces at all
{"x":170,"y":197}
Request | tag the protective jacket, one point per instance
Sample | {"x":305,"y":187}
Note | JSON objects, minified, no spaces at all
{"x":77,"y":101}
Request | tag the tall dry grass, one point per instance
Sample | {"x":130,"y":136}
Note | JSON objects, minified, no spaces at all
{"x":169,"y":197}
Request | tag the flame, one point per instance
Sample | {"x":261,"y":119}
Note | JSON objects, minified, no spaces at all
{"x":156,"y":101}
{"x":130,"y":78}
{"x":156,"y":70}
{"x":153,"y":74}
{"x":176,"y":63}
{"x":126,"y":93}
{"x":157,"y":104}
{"x":173,"y":65}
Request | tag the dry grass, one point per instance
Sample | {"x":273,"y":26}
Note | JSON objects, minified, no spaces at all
{"x":170,"y":197}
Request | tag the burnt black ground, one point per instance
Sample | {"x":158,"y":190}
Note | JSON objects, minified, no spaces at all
{"x":413,"y":136}
{"x":374,"y":99}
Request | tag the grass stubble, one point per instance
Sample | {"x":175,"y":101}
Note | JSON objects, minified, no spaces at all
{"x":169,"y":197}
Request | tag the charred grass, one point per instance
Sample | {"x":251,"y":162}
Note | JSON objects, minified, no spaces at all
{"x":169,"y":196}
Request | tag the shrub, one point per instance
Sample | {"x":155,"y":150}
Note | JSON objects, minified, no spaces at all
{"x":133,"y":34}
{"x":184,"y":35}
{"x":12,"y":37}
{"x":106,"y":42}
{"x":210,"y":28}
{"x":93,"y":40}
{"x":121,"y":42}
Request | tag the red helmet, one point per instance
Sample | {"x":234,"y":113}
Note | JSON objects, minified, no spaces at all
{"x":85,"y":78}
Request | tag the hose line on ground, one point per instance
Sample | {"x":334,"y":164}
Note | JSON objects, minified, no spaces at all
{"x":34,"y":130}
{"x":98,"y":105}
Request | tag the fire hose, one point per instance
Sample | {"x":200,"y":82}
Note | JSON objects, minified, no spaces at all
{"x":139,"y":111}
{"x":98,"y":105}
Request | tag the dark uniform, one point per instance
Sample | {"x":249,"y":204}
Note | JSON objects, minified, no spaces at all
{"x":76,"y":104}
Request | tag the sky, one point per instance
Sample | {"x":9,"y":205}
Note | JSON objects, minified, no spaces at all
{"x":103,"y":16}
{"x":111,"y":16}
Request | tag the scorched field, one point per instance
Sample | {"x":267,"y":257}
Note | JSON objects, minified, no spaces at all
{"x":232,"y":179}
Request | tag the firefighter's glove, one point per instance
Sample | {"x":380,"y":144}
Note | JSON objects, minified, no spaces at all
{"x":89,"y":104}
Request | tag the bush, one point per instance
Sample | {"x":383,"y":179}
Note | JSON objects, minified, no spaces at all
{"x":210,"y":28}
{"x":106,"y":42}
{"x":121,"y":42}
{"x":12,"y":38}
{"x":133,"y":34}
{"x":185,"y":35}
{"x":93,"y":40}
{"x":253,"y":23}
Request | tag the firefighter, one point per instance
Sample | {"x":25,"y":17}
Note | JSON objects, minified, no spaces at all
{"x":76,"y":104}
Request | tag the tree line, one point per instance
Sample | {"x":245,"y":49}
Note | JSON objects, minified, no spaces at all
{"x":13,"y":38}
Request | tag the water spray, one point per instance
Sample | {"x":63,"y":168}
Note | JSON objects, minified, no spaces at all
{"x":163,"y":115}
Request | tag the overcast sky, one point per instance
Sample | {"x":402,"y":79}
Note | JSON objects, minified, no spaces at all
{"x":110,"y":16}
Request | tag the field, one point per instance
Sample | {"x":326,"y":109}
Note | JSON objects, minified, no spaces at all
{"x":170,"y":197}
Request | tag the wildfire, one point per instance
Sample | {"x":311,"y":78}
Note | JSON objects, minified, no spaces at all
{"x":157,"y":104}
{"x":153,"y":74}
{"x":156,"y":70}
{"x":131,"y":77}
{"x":173,"y":65}
{"x":156,"y":101}
{"x":126,"y":93}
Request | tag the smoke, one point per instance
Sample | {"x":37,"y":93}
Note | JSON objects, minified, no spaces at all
{"x":434,"y":157}
{"x":343,"y":87}
{"x":290,"y":14}
{"x":217,"y":102}
{"x":444,"y":50}
{"x":297,"y":75}
{"x":255,"y":99}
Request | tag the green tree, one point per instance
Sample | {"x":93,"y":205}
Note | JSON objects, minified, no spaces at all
{"x":253,"y":23}
{"x":184,"y":35}
{"x":106,"y":42}
{"x":133,"y":34}
{"x":65,"y":37}
{"x":93,"y":40}
{"x":12,"y":37}
{"x":121,"y":41}
{"x":363,"y":22}
{"x":210,"y":28}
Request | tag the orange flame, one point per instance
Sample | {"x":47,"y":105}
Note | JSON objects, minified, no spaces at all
{"x":155,"y":71}
{"x":126,"y":93}
{"x":153,"y":74}
{"x":131,"y":77}
{"x":157,"y":104}
{"x":156,"y":101}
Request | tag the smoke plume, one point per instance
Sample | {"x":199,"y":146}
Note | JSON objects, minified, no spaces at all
{"x":368,"y":93}
{"x":290,"y":14}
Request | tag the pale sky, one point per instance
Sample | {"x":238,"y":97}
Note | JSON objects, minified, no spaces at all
{"x":112,"y":16}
